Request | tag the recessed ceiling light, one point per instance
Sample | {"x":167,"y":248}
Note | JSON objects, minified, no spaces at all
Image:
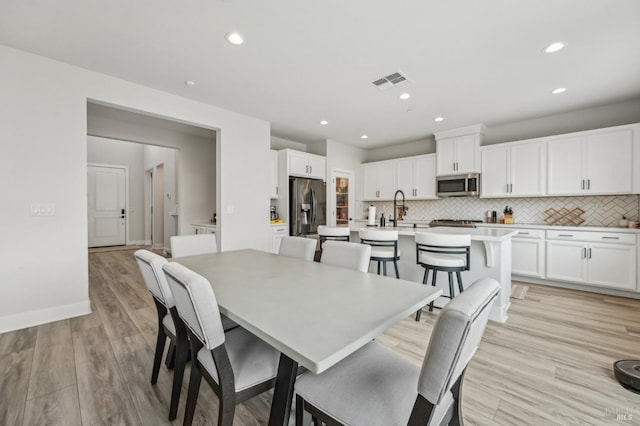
{"x":364,"y":137}
{"x":324,"y":122}
{"x":405,"y":96}
{"x":558,"y":90}
{"x":409,"y":110}
{"x":438,"y":119}
{"x":554,"y":47}
{"x":190,"y":83}
{"x":234,"y":38}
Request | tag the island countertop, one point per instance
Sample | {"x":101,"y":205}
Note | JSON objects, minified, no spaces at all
{"x":477,"y":234}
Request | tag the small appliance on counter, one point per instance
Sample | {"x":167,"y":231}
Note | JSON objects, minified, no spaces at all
{"x":274,"y":213}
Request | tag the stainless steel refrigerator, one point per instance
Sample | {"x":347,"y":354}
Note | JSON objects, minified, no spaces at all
{"x":307,"y":205}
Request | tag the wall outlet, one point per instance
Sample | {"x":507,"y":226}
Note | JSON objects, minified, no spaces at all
{"x":43,"y":209}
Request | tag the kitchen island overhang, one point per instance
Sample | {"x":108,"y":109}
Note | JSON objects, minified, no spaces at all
{"x":490,"y":257}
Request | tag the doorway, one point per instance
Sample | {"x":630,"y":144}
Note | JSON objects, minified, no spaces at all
{"x":106,"y":205}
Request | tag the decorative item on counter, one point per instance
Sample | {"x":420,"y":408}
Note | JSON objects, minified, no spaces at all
{"x":623,"y":223}
{"x":383,"y":222}
{"x":633,"y":224}
{"x":508,"y":215}
{"x":214,"y":219}
{"x":372,"y":215}
{"x":564,"y":216}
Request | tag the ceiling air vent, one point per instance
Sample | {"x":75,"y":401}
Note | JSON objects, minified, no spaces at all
{"x":390,"y":81}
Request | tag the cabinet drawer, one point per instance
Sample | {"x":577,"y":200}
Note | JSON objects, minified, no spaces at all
{"x":529,"y":233}
{"x":601,"y":237}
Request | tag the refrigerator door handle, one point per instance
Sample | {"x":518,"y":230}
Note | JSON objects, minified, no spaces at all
{"x":314,"y":203}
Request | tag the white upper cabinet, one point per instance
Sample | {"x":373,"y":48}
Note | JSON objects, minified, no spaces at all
{"x":306,"y":165}
{"x":515,"y":169}
{"x":416,"y":177}
{"x":590,"y":163}
{"x":458,"y":155}
{"x":378,"y":181}
{"x":458,"y":151}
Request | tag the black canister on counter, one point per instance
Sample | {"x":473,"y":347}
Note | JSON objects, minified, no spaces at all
{"x":494,"y":217}
{"x":382,"y":220}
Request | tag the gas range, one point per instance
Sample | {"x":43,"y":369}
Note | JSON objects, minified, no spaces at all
{"x":454,"y":223}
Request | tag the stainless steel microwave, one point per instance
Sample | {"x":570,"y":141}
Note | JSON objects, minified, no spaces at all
{"x":458,"y":185}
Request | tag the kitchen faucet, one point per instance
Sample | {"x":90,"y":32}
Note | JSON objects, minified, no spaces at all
{"x":395,"y":207}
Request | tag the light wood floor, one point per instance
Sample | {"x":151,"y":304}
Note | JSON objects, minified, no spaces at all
{"x":550,"y":364}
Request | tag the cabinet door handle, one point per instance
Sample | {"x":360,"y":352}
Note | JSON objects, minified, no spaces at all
{"x":584,"y":253}
{"x":276,"y":190}
{"x":588,"y":183}
{"x":610,"y":238}
{"x":523,"y":233}
{"x":565,"y":235}
{"x":310,"y":169}
{"x":582,"y":183}
{"x":589,"y":252}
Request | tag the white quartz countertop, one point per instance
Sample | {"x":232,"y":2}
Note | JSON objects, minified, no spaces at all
{"x":477,"y":234}
{"x":204,"y":225}
{"x":560,"y":227}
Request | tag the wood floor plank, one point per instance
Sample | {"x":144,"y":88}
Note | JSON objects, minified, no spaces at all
{"x":61,"y":407}
{"x":104,"y":394}
{"x":19,"y":340}
{"x":15,"y":368}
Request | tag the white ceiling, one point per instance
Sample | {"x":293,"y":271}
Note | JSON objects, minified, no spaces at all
{"x":470,"y":61}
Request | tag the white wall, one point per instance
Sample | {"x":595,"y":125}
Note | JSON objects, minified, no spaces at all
{"x":279,"y":143}
{"x":114,"y":152}
{"x":409,"y":149}
{"x":43,"y":130}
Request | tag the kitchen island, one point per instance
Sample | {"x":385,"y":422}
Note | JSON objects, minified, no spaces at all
{"x":490,"y":257}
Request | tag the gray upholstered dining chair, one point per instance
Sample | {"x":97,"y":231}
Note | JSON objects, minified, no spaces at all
{"x":169,"y":324}
{"x":443,"y":252}
{"x":347,"y":255}
{"x":236,"y":364}
{"x":300,"y":247}
{"x":191,"y":245}
{"x":374,"y":386}
{"x":384,"y":247}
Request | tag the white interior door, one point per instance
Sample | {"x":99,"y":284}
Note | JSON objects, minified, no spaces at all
{"x":106,"y":197}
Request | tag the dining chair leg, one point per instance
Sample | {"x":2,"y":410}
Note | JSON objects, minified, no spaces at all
{"x":299,"y":410}
{"x":378,"y":268}
{"x":433,"y":284}
{"x":157,"y":359}
{"x":170,"y":362}
{"x":395,"y":265}
{"x":192,"y":393}
{"x":182,"y":353}
{"x":460,"y":286}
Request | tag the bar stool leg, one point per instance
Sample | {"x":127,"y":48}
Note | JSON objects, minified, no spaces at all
{"x":384,"y":268}
{"x":459,"y":282}
{"x":433,"y":283}
{"x":378,"y":268}
{"x":395,"y":265}
{"x":451,"y":285}
{"x":425,"y":280}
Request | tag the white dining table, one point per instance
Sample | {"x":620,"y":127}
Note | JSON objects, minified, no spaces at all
{"x":314,"y":314}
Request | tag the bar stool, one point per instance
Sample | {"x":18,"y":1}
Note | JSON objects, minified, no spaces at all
{"x":384,"y":247}
{"x":443,"y":252}
{"x":333,"y":233}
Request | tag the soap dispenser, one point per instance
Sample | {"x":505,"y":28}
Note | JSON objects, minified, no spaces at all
{"x":382,"y":220}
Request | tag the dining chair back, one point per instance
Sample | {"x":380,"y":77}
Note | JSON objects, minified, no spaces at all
{"x":300,"y":247}
{"x":347,"y":255}
{"x":169,"y":324}
{"x":377,"y":386}
{"x":236,"y":364}
{"x":443,"y":252}
{"x":191,"y":245}
{"x":384,"y":247}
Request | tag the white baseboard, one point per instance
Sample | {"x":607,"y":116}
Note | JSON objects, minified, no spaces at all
{"x":137,"y":243}
{"x":43,"y":316}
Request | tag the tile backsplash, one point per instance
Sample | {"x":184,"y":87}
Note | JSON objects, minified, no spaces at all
{"x":599,"y":210}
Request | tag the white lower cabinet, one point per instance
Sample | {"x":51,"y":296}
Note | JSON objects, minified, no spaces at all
{"x":279,"y":232}
{"x":527,"y":253}
{"x":592,"y":258}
